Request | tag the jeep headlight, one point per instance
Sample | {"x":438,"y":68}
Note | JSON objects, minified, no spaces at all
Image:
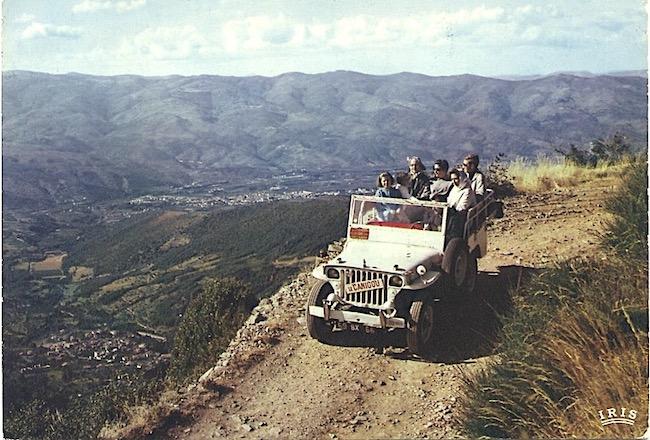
{"x":332,"y":273}
{"x":421,"y":269}
{"x":395,"y":281}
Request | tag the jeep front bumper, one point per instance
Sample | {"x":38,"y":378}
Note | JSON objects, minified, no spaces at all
{"x":380,"y":321}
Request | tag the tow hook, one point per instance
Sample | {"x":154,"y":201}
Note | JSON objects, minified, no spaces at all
{"x":382,"y":319}
{"x":326,"y":311}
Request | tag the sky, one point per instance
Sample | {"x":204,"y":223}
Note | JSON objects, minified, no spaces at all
{"x":271,"y":37}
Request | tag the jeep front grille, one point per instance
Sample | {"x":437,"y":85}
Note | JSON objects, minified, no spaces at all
{"x":372,"y":297}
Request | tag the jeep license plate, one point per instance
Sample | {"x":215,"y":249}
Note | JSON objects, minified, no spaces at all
{"x":362,"y":286}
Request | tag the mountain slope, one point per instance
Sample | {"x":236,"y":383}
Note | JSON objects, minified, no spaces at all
{"x":70,"y":136}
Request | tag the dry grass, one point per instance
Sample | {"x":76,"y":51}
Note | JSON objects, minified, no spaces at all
{"x":80,"y":273}
{"x":576,"y":344}
{"x":545,"y":173}
{"x":146,"y":420}
{"x":294,"y":262}
{"x":607,"y":369}
{"x":51,"y":262}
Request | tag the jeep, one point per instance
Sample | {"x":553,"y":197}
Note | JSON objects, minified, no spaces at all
{"x":397,"y":261}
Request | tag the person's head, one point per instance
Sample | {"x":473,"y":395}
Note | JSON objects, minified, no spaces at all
{"x":415,"y":165}
{"x":458,"y":178}
{"x":440,"y":168}
{"x":385,"y":180}
{"x":470,"y":163}
{"x":402,"y":178}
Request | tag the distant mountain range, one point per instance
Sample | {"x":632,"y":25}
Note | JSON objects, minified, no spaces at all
{"x":71,"y":136}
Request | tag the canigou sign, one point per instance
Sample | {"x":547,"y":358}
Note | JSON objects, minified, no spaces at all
{"x":612,"y":416}
{"x":364,"y":285}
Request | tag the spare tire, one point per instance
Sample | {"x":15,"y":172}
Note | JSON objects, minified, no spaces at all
{"x":455,"y":265}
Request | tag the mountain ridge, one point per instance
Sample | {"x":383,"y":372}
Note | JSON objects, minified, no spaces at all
{"x":68,"y":136}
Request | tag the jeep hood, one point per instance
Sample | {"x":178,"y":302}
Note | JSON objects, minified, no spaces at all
{"x":385,"y":256}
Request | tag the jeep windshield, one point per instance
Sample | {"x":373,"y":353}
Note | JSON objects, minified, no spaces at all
{"x":397,"y":213}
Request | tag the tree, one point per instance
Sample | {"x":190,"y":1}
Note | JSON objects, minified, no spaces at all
{"x":610,"y":150}
{"x":210,"y":321}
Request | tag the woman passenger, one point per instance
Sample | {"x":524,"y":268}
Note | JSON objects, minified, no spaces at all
{"x":385,"y":186}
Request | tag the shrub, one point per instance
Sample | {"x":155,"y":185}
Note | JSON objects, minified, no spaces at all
{"x":600,"y":151}
{"x":627,"y":233}
{"x":498,"y":177}
{"x":82,"y":417}
{"x":209,"y":322}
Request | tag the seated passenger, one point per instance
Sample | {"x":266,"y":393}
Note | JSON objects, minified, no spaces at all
{"x":386,"y":212}
{"x":460,"y":199}
{"x":403,"y":181}
{"x":476,"y":177}
{"x":419,"y":186}
{"x":440,"y":183}
{"x":385,"y":187}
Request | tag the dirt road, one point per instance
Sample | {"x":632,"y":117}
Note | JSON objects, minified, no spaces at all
{"x":292,"y":386}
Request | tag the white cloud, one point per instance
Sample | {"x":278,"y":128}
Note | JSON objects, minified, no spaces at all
{"x":165,"y":43}
{"x":25,"y":18}
{"x":36,"y":29}
{"x":259,"y":32}
{"x":482,"y":26}
{"x":358,"y":31}
{"x":112,"y":5}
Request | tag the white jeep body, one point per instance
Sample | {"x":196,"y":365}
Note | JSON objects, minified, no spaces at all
{"x":394,"y":247}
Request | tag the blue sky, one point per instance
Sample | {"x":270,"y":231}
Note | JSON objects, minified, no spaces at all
{"x":270,"y":37}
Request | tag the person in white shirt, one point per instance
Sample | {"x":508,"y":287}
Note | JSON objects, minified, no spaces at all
{"x":460,"y":199}
{"x":470,"y":165}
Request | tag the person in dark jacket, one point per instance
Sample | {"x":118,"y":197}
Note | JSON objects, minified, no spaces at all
{"x":419,"y":186}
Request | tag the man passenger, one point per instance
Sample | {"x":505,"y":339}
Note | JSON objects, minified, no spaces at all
{"x":440,"y":183}
{"x":476,"y":177}
{"x":419,"y":186}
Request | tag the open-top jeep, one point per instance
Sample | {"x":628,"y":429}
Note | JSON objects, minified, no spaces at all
{"x":398,"y":259}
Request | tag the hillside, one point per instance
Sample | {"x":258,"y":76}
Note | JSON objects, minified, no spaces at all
{"x":112,"y":320}
{"x":66,"y":137}
{"x":275,"y":382}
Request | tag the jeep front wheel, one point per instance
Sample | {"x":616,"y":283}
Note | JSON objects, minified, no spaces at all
{"x":419,"y":336}
{"x":317,"y":327}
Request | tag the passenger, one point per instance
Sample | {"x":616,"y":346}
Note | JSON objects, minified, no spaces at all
{"x":470,"y":164}
{"x":403,"y":181}
{"x":385,"y":211}
{"x":440,"y":183}
{"x":419,"y":186}
{"x":385,"y":187}
{"x":460,"y":199}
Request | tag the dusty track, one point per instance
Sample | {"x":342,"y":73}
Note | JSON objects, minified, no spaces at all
{"x":299,"y":388}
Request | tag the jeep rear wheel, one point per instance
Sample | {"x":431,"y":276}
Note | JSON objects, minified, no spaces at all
{"x":317,"y":327}
{"x":456,"y":265}
{"x":472,"y":274}
{"x":419,"y":336}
